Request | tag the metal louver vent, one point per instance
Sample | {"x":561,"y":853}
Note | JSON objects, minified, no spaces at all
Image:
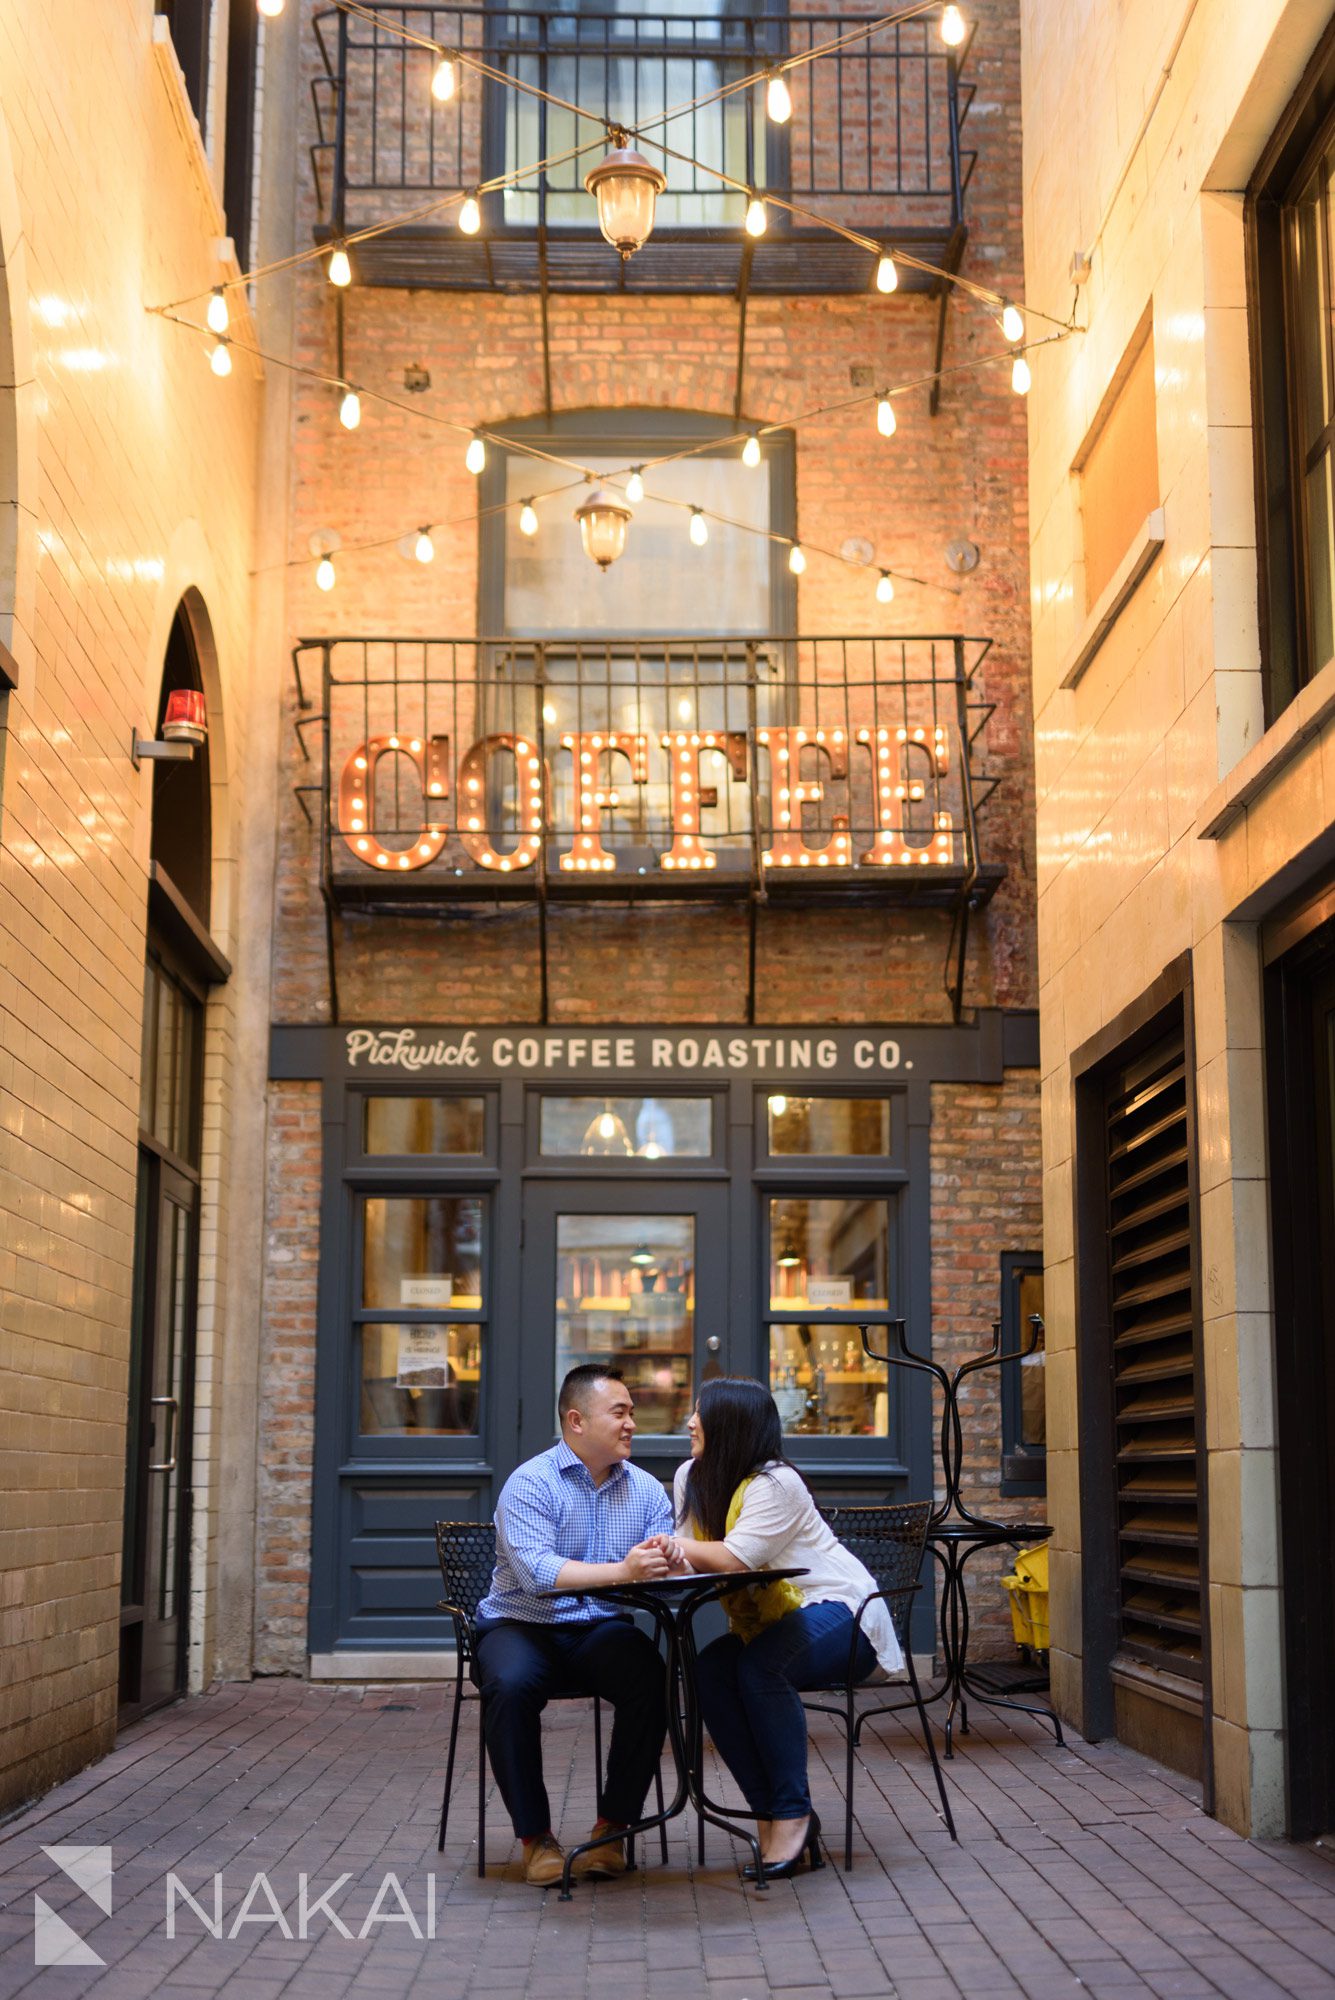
{"x":1152,"y":1299}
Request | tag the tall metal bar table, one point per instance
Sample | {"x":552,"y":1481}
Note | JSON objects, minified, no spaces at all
{"x":954,"y":1536}
{"x":672,"y":1603}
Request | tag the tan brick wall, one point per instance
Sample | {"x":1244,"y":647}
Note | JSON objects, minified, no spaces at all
{"x":127,"y":477}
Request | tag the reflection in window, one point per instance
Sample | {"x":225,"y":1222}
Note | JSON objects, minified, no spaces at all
{"x":423,"y":1252}
{"x":426,"y":1125}
{"x":849,"y":1126}
{"x":421,"y":1379}
{"x":625,"y":1294}
{"x":1033,"y":1364}
{"x":639,"y":1128}
{"x":824,"y":1384}
{"x":829,"y":1255}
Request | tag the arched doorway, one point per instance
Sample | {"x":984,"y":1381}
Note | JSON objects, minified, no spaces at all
{"x":181,"y":962}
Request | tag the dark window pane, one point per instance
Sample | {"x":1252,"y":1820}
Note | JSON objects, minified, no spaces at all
{"x":1033,"y":1398}
{"x":423,"y":1251}
{"x":419,"y":1380}
{"x":404,"y":1125}
{"x":829,"y":1126}
{"x":643,"y":1128}
{"x":829,"y":1255}
{"x":824,"y":1384}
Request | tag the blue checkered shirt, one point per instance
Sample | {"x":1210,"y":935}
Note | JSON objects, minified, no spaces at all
{"x":551,"y":1513}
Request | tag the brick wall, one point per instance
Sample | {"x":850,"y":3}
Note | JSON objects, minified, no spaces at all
{"x":127,"y":473}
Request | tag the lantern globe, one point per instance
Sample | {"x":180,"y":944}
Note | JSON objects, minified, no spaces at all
{"x":602,"y":527}
{"x":625,"y":187}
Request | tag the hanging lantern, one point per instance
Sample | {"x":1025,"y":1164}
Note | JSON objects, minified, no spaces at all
{"x":602,"y":527}
{"x":606,"y":1134}
{"x":625,"y":187}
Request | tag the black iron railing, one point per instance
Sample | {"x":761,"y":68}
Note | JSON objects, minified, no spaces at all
{"x":873,"y":142}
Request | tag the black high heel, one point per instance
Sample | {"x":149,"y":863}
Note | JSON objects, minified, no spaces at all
{"x":809,"y":1853}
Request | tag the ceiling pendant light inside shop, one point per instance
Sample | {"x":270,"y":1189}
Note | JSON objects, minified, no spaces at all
{"x":602,"y":527}
{"x":625,"y":187}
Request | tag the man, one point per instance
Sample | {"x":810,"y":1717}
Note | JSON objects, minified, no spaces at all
{"x":575,"y":1517}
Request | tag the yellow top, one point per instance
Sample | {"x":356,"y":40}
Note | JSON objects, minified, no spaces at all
{"x":756,"y":1605}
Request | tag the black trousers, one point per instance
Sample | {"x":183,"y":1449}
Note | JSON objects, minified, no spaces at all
{"x":521,"y":1667}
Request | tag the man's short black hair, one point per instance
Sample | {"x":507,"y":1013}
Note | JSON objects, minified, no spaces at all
{"x":582,"y":1378}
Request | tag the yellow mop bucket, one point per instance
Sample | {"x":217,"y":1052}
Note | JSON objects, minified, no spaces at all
{"x":1028,"y":1587}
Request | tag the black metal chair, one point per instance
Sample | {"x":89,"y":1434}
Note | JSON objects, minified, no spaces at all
{"x":890,"y":1542}
{"x":466,"y":1552}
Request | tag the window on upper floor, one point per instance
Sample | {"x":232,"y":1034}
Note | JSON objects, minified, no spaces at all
{"x":1291,"y":298}
{"x":191,"y":23}
{"x":1118,"y":466}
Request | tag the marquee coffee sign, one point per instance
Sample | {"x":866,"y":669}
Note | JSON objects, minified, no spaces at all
{"x":602,"y":1052}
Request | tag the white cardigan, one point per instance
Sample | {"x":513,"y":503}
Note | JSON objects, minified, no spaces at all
{"x":780,"y":1527}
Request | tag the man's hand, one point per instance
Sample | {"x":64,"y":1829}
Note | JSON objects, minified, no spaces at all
{"x":645,"y":1563}
{"x":673,"y":1552}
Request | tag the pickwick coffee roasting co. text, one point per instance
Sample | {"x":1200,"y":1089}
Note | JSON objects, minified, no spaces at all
{"x":415,"y":1051}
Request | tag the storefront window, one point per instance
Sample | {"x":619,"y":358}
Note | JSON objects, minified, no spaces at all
{"x":411,"y":1125}
{"x":423,"y":1252}
{"x":824,"y":1384}
{"x":625,"y":1294}
{"x":829,"y":1125}
{"x":419,"y":1379}
{"x":631,"y":1128}
{"x":829,"y":1255}
{"x":1024,"y":1415}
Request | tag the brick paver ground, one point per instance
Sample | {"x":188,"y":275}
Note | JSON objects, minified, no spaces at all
{"x":1083,"y":1871}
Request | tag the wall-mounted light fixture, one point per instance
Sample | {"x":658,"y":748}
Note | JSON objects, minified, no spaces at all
{"x":184,"y":728}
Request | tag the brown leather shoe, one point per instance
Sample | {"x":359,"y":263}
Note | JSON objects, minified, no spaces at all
{"x":544,"y":1861}
{"x":605,"y":1860}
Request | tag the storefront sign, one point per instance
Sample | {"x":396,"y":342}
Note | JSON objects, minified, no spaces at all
{"x":595,"y":1052}
{"x":421,"y":1292}
{"x":424,"y":1359}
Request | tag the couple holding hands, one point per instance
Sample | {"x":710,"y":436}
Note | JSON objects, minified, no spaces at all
{"x":580,"y":1516}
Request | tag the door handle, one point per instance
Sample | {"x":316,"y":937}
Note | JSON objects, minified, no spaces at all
{"x":168,"y":1403}
{"x":713,"y":1343}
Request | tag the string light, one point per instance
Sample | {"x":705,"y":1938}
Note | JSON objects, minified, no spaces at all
{"x":475,"y":458}
{"x":886,"y":422}
{"x":340,"y":270}
{"x":887,"y":273}
{"x":445,"y":81}
{"x":635,"y":486}
{"x":270,"y":9}
{"x":470,"y":216}
{"x":217,"y":312}
{"x":1020,"y":376}
{"x":699,"y":528}
{"x":424,"y":548}
{"x":350,"y":409}
{"x":885,"y":588}
{"x":797,"y":561}
{"x":953,"y":29}
{"x":325,"y":578}
{"x":756,"y":220}
{"x":528,"y":519}
{"x":778,"y":100}
{"x":1012,"y":323}
{"x":220,"y":360}
{"x":751,"y":451}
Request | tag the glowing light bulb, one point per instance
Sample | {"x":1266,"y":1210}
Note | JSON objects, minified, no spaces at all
{"x":476,"y":455}
{"x":470,"y":216}
{"x":699,"y":528}
{"x":635,"y":487}
{"x":424,"y":548}
{"x":340,"y":270}
{"x":220,"y":360}
{"x":528,"y":519}
{"x":324,"y":575}
{"x":217,"y":312}
{"x":684,"y":709}
{"x":445,"y":82}
{"x":885,"y":588}
{"x":751,"y":451}
{"x":1020,"y":376}
{"x":887,"y":274}
{"x":797,"y":561}
{"x":756,"y":220}
{"x":778,"y":100}
{"x":1012,"y":323}
{"x":270,"y":9}
{"x":607,"y":1126}
{"x":885,"y":418}
{"x":350,"y":410}
{"x":953,"y":29}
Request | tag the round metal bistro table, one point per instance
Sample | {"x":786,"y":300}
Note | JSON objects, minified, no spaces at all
{"x":672,"y":1603}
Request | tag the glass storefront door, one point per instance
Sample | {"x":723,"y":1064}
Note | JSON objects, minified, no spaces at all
{"x":633,"y":1276}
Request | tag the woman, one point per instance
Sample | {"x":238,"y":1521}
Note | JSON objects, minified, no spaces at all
{"x":741,"y":1506}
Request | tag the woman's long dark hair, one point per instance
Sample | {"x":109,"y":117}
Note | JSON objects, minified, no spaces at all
{"x":743,"y":1434}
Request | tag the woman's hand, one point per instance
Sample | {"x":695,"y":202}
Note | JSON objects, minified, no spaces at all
{"x":673,"y":1553}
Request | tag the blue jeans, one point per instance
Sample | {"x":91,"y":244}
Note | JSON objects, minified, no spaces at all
{"x":751,"y":1707}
